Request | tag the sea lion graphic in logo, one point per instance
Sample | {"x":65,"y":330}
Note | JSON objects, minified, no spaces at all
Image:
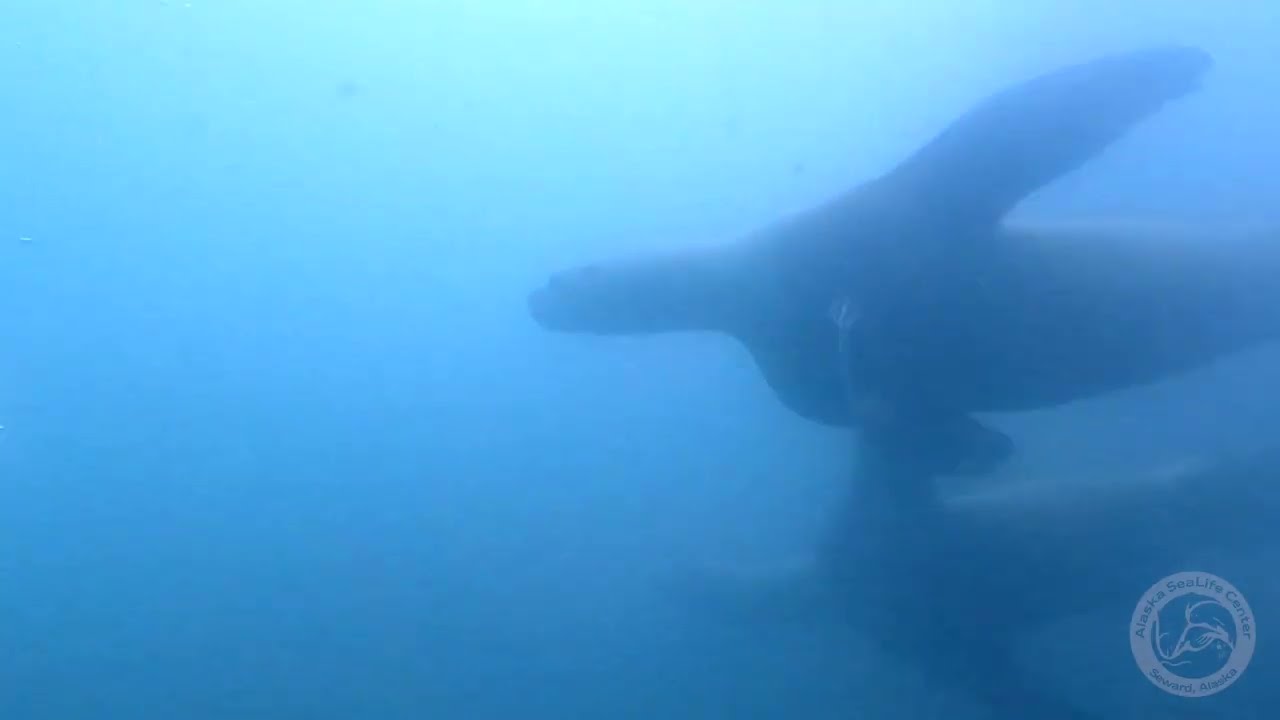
{"x":1192,"y":634}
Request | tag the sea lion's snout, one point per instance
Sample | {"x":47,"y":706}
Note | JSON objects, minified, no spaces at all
{"x":586,"y":299}
{"x":552,"y":305}
{"x":541,"y":307}
{"x":624,"y":298}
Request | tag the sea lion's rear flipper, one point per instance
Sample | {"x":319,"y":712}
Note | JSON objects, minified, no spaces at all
{"x":1024,"y":137}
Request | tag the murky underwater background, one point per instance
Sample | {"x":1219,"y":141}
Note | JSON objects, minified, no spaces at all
{"x":280,"y":440}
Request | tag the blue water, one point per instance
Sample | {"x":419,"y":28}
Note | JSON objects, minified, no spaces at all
{"x":280,"y":440}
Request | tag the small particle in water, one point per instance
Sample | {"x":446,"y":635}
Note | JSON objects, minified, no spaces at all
{"x":348,"y":89}
{"x":25,"y":240}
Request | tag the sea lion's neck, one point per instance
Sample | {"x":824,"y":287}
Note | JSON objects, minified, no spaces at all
{"x":698,"y":290}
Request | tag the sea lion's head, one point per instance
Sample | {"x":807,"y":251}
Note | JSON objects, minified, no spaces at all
{"x":596,"y":299}
{"x":661,"y":293}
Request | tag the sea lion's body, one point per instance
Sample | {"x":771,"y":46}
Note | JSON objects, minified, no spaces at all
{"x":1046,"y":314}
{"x":954,"y":590}
{"x":951,"y":310}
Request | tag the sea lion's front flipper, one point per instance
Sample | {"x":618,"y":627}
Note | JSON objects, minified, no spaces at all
{"x":909,"y":448}
{"x":990,"y":674}
{"x":1024,"y":137}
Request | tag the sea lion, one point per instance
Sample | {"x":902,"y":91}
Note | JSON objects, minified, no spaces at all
{"x":955,"y":590}
{"x":907,"y":304}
